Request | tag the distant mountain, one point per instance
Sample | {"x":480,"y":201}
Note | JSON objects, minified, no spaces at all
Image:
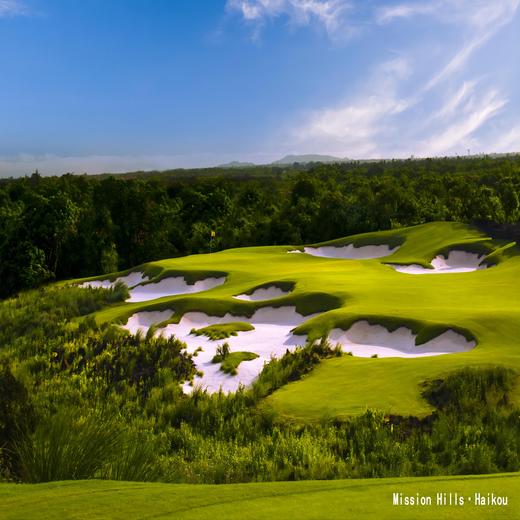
{"x":307,"y":158}
{"x":236,"y":164}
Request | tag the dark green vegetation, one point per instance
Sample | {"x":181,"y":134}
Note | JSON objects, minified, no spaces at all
{"x":223,"y":330}
{"x":79,"y":226}
{"x":80,"y":400}
{"x":313,"y":500}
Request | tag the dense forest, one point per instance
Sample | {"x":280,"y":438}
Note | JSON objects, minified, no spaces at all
{"x":72,"y":226}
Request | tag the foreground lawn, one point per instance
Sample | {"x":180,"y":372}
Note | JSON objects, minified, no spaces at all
{"x":304,"y":500}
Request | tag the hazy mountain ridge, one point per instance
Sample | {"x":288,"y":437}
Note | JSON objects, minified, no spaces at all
{"x":307,"y":158}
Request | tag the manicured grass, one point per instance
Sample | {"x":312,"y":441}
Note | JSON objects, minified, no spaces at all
{"x":483,"y":305}
{"x":223,"y":330}
{"x":305,"y":500}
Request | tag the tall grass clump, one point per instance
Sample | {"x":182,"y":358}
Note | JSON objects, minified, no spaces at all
{"x":66,"y":446}
{"x":134,"y":459}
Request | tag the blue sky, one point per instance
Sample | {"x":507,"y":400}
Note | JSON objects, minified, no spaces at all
{"x":116,"y":85}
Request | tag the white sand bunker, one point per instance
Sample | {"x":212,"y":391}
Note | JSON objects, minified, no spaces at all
{"x":365,"y":340}
{"x":142,"y":321}
{"x":271,"y":337}
{"x":351,"y":252}
{"x":172,"y":287}
{"x":456,"y":262}
{"x":130,"y":280}
{"x":264,"y":293}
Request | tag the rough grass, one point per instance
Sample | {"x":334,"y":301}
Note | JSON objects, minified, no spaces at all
{"x":306,"y":500}
{"x":223,"y":330}
{"x":483,"y":305}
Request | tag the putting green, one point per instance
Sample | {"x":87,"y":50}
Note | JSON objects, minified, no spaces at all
{"x":483,"y":305}
{"x":307,"y":500}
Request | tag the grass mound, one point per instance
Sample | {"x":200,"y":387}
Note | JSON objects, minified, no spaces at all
{"x":223,"y":330}
{"x":230,"y":364}
{"x":231,"y":360}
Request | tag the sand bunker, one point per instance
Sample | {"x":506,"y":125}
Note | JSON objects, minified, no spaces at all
{"x":456,"y":262}
{"x":351,"y":252}
{"x":265,"y":293}
{"x":130,"y":280}
{"x":271,"y":337}
{"x":151,"y":291}
{"x":171,"y":287}
{"x":365,"y":340}
{"x":142,"y":321}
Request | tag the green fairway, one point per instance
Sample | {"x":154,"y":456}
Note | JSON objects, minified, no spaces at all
{"x":306,"y":500}
{"x":483,"y":305}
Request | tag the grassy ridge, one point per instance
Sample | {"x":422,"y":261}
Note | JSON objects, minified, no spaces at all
{"x":282,"y":500}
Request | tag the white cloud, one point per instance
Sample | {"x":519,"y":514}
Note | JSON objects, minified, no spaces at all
{"x":354,"y":127}
{"x":12,"y":8}
{"x":458,"y":61}
{"x":481,"y":19}
{"x":389,"y":13}
{"x":458,"y":135}
{"x":455,"y":100}
{"x":445,"y":114}
{"x":328,"y":13}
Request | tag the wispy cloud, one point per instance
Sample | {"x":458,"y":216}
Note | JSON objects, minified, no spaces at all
{"x":330,"y":14}
{"x":458,"y":134}
{"x":455,"y":100}
{"x":12,"y":8}
{"x":357,"y":125}
{"x":442,"y":115}
{"x":459,"y":60}
{"x":389,"y":13}
{"x":480,"y":19}
{"x":475,"y":13}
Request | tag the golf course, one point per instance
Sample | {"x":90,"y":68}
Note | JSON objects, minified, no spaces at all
{"x":260,"y":260}
{"x":402,"y":328}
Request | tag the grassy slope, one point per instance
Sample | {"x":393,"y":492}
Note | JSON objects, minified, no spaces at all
{"x":483,"y":304}
{"x":306,"y":500}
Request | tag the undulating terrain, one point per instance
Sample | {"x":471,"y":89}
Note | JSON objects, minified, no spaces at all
{"x":290,"y":294}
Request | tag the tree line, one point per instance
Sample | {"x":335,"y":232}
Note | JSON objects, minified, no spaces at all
{"x":74,"y":226}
